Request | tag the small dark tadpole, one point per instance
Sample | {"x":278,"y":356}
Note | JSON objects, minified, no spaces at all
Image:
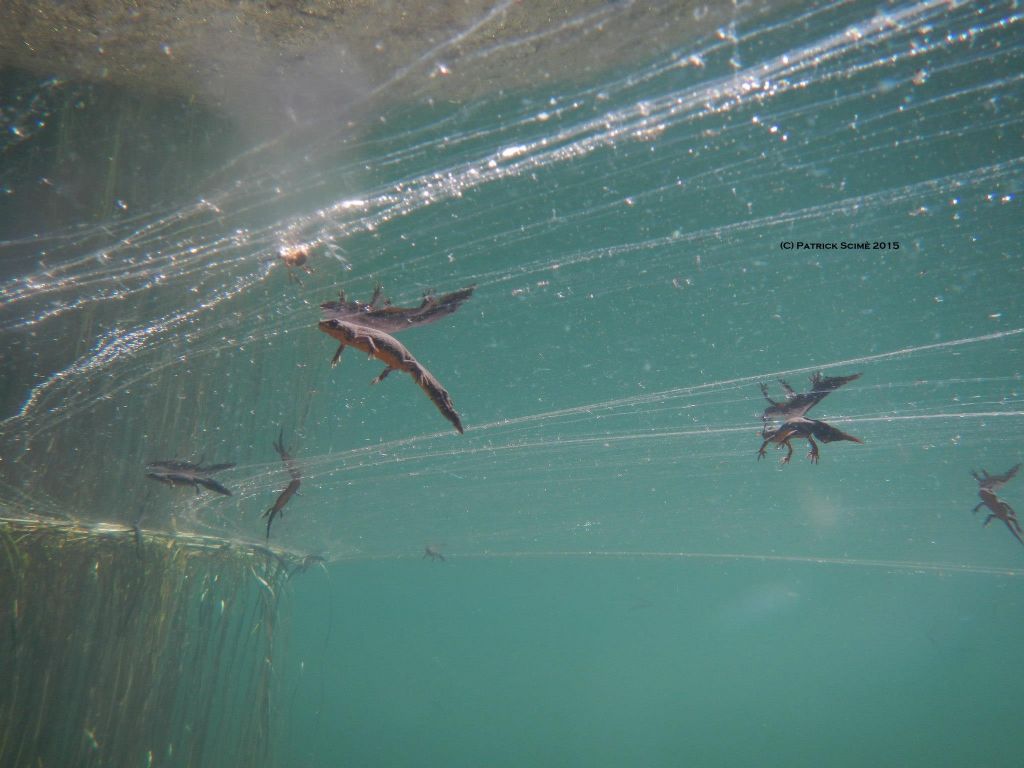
{"x":173,"y":472}
{"x":293,"y":486}
{"x":432,"y":552}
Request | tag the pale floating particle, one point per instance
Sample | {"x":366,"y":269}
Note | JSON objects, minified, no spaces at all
{"x":509,"y":152}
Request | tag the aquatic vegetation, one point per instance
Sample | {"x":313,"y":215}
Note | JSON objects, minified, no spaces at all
{"x":134,"y":648}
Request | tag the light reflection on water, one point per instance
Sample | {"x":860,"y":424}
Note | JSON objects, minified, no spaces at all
{"x":631,"y":293}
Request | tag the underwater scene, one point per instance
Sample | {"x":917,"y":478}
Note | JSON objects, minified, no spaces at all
{"x":571,"y":384}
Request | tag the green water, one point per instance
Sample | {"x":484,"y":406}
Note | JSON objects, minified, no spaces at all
{"x":639,"y":662}
{"x":624,"y":583}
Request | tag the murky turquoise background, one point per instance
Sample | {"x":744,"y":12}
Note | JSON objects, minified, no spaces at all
{"x":624,"y":583}
{"x":650,"y":662}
